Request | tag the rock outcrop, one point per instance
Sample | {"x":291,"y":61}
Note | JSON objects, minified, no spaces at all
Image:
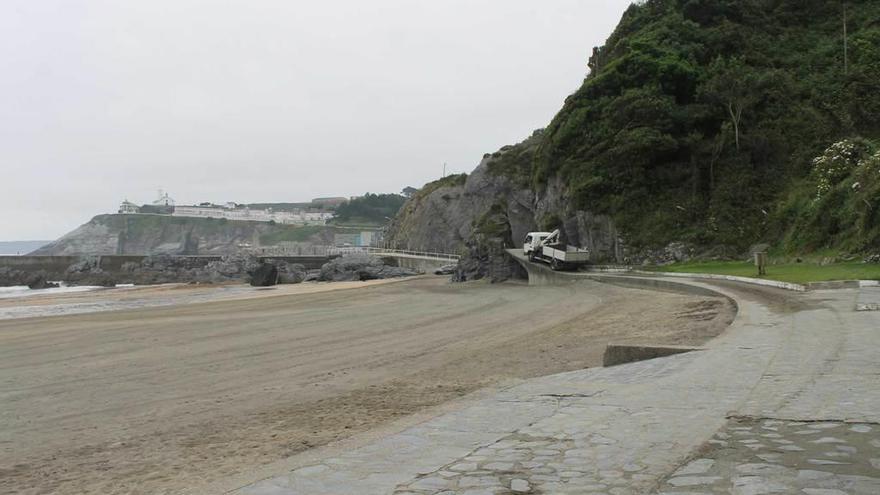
{"x":87,"y":271}
{"x":493,"y":208}
{"x":39,"y":280}
{"x":35,"y":280}
{"x":264,"y":275}
{"x":355,"y":267}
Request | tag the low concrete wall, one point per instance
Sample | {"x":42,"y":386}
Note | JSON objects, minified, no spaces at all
{"x":56,"y":266}
{"x":730,"y":278}
{"x":540,"y":274}
{"x":53,"y":265}
{"x":418,"y":264}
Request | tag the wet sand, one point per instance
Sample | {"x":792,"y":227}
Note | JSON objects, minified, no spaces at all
{"x":173,"y":399}
{"x":92,"y":300}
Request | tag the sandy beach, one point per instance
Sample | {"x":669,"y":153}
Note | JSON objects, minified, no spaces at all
{"x":172,"y":399}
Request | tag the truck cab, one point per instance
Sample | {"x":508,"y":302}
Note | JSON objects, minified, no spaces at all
{"x":533,"y":241}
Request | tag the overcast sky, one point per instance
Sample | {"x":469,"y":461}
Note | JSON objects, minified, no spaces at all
{"x":269,"y":100}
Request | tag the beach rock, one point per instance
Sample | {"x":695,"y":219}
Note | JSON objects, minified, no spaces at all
{"x":39,"y":280}
{"x":10,"y":277}
{"x":291,"y":273}
{"x":97,"y":279}
{"x":231,"y":267}
{"x":87,"y":271}
{"x":264,"y":275}
{"x":354,"y":267}
{"x":86,"y":264}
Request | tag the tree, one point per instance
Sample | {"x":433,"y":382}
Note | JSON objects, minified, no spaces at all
{"x":733,"y":85}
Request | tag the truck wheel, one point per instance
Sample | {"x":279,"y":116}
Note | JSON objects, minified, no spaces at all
{"x":532,"y":256}
{"x":554,"y":265}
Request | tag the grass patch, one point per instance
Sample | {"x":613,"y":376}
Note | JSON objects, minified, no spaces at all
{"x":798,"y":273}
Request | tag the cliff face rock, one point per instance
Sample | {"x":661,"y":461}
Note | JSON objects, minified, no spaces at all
{"x":444,"y":218}
{"x":157,"y":234}
{"x":494,"y":208}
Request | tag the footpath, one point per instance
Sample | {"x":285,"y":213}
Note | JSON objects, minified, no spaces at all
{"x":786,"y":401}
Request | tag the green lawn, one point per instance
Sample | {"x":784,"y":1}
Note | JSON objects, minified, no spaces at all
{"x":799,"y":273}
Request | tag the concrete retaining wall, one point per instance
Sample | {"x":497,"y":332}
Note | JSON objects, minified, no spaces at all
{"x":419,"y":264}
{"x":55,"y":266}
{"x":540,"y":274}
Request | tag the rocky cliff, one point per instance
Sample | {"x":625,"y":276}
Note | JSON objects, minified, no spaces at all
{"x":703,"y":127}
{"x":492,"y":209}
{"x":159,"y":234}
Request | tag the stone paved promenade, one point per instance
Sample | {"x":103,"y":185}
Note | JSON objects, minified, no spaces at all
{"x":786,"y":401}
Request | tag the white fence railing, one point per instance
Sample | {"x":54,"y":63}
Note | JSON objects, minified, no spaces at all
{"x":391,"y":252}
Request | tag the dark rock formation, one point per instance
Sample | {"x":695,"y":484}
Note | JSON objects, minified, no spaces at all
{"x":231,"y":267}
{"x":264,"y":275}
{"x":487,"y":261}
{"x":289,"y":273}
{"x":39,"y":280}
{"x":10,"y":277}
{"x":87,"y":271}
{"x":361,"y":267}
{"x":493,"y":209}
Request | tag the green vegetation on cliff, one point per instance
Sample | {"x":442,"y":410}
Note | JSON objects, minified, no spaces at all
{"x":369,"y":209}
{"x":701,"y":119}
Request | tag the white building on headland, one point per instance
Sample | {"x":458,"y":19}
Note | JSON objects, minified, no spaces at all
{"x":127,"y":207}
{"x":231,"y":211}
{"x":164,"y":205}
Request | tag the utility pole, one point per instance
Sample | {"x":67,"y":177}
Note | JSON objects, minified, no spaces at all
{"x":444,"y":169}
{"x":845,"y":43}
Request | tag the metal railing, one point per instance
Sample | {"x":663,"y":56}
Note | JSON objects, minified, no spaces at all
{"x":391,"y":252}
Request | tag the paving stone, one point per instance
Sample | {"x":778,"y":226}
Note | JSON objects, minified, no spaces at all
{"x":431,"y":483}
{"x":770,"y":457}
{"x":828,"y":440}
{"x":693,"y":480}
{"x":790,"y":448}
{"x":761,"y":469}
{"x":477,"y":481}
{"x":698,"y":466}
{"x":464,"y":466}
{"x":861,"y":429}
{"x":756,"y":485}
{"x":520,"y":486}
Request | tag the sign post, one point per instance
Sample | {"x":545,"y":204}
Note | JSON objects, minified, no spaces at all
{"x":761,"y":263}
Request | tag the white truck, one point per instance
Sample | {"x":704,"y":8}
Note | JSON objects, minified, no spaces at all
{"x":545,"y":246}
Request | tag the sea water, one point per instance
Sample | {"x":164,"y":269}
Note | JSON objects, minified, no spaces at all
{"x":24,"y":291}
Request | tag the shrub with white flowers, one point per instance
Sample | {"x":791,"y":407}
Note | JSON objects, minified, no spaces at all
{"x":838,"y":162}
